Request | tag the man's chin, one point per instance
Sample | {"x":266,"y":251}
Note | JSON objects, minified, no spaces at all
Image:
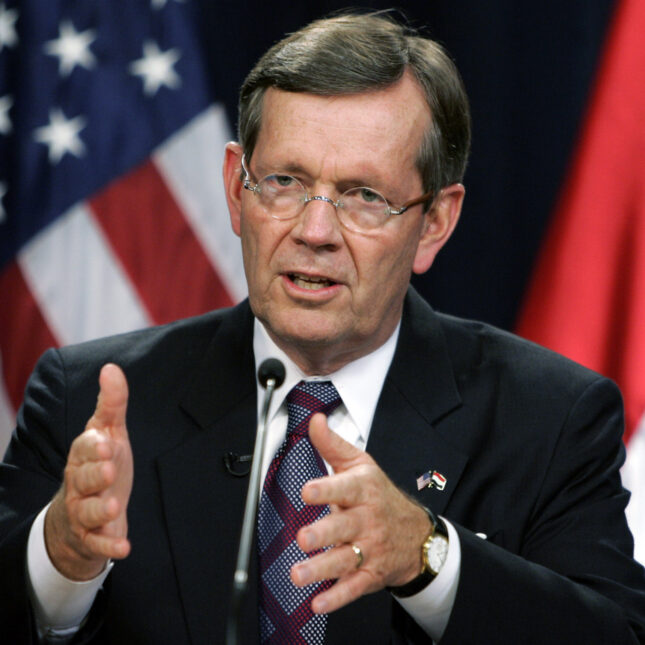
{"x":305,"y":335}
{"x":317,"y":344}
{"x":305,"y":330}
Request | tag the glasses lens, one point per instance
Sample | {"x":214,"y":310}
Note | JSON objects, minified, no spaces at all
{"x":363,"y":208}
{"x":281,"y":195}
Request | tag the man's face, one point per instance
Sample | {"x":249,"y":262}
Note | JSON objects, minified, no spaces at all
{"x":328,"y":295}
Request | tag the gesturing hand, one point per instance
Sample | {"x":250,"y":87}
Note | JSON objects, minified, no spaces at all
{"x":367,"y":510}
{"x":86,"y":523}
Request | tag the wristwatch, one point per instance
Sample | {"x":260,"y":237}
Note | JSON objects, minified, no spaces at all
{"x":434,"y":552}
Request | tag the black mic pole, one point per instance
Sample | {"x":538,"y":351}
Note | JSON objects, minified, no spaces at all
{"x":271,"y":376}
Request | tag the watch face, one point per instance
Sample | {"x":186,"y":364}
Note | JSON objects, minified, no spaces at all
{"x":437,"y":553}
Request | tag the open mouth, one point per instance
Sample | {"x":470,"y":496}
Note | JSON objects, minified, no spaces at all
{"x":312,"y":283}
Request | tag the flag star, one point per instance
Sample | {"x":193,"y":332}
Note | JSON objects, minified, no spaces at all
{"x":155,"y":68}
{"x":3,"y":192}
{"x":8,"y":36}
{"x":5,"y":122}
{"x":72,"y":48}
{"x":61,"y":135}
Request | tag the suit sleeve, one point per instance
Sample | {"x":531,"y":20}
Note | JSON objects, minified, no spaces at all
{"x":30,"y":475}
{"x":574,"y":579}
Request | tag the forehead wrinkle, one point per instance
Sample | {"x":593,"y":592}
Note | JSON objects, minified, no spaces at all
{"x":332,"y":163}
{"x":347,"y":115}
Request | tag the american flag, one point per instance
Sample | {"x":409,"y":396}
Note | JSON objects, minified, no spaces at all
{"x":112,"y":211}
{"x":431,"y":479}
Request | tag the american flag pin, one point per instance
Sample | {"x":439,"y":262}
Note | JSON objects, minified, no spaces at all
{"x":432,"y":479}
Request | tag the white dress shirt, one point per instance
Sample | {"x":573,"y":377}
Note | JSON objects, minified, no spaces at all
{"x":60,"y":605}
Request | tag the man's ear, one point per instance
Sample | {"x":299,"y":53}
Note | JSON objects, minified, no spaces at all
{"x":439,"y":223}
{"x":232,"y":183}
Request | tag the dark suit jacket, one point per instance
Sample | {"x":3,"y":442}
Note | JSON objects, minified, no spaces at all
{"x":530,"y":445}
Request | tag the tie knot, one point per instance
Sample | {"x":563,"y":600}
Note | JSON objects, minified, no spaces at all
{"x":307,"y":398}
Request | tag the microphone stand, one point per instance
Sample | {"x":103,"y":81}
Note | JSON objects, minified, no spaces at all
{"x":271,"y":375}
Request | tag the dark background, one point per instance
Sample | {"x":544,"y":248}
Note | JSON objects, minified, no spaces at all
{"x":528,"y":68}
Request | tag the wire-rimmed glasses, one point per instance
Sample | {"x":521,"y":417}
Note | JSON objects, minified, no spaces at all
{"x":359,"y":209}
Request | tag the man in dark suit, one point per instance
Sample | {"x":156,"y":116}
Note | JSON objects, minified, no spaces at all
{"x":474,"y":489}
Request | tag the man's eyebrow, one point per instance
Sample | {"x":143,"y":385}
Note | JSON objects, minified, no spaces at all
{"x":367,"y":179}
{"x":288,"y":168}
{"x":294,"y":169}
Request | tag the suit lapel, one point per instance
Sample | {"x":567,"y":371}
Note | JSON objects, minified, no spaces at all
{"x":203,"y":502}
{"x":420,"y":388}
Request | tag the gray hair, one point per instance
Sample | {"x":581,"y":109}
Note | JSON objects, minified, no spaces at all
{"x":353,"y":53}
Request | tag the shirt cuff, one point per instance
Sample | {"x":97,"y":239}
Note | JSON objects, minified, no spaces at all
{"x":432,"y":606}
{"x":60,"y":605}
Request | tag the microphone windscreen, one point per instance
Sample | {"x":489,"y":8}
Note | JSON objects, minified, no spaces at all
{"x":271,"y":368}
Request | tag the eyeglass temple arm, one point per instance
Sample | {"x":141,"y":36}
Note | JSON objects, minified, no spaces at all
{"x":413,"y":202}
{"x":244,"y":169}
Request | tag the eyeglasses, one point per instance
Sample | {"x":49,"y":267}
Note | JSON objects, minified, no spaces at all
{"x":359,"y":209}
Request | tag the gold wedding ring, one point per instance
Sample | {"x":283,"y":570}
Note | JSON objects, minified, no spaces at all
{"x":359,"y":555}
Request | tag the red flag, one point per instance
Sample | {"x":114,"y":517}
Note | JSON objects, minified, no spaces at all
{"x":587,"y":296}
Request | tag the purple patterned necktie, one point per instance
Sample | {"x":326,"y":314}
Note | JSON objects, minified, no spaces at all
{"x":285,"y":610}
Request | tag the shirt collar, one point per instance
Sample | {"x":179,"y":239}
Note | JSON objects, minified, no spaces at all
{"x":359,"y":383}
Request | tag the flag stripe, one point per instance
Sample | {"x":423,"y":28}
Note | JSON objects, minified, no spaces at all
{"x":159,"y":251}
{"x":72,"y":273}
{"x":24,"y":333}
{"x":191,"y":164}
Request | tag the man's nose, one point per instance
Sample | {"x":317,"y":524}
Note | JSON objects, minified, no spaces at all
{"x":318,"y":224}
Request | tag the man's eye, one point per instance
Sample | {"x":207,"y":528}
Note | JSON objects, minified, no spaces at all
{"x":282,"y":181}
{"x":369,"y":195}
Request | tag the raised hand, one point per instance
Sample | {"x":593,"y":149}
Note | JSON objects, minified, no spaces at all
{"x":367,"y":510}
{"x":86,"y":524}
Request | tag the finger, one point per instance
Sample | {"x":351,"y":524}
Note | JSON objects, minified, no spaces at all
{"x":346,"y":590}
{"x":344,"y":490}
{"x":329,"y":565}
{"x":90,"y":446}
{"x":115,"y":548}
{"x":92,"y":478}
{"x":94,"y":512}
{"x":335,"y":528}
{"x":340,"y":454}
{"x":112,"y":402}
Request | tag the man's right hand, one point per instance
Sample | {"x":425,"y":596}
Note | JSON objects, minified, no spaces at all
{"x":86,"y":524}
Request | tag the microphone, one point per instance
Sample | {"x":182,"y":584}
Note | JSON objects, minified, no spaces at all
{"x":231,"y":459}
{"x":271,"y":368}
{"x":271,"y":376}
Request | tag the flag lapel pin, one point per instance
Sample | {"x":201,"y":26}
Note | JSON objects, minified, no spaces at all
{"x":432,"y":479}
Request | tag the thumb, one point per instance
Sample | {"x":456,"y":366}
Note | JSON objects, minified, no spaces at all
{"x":337,"y":452}
{"x":112,"y":401}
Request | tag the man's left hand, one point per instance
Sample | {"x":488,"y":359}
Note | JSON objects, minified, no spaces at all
{"x":367,"y":510}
